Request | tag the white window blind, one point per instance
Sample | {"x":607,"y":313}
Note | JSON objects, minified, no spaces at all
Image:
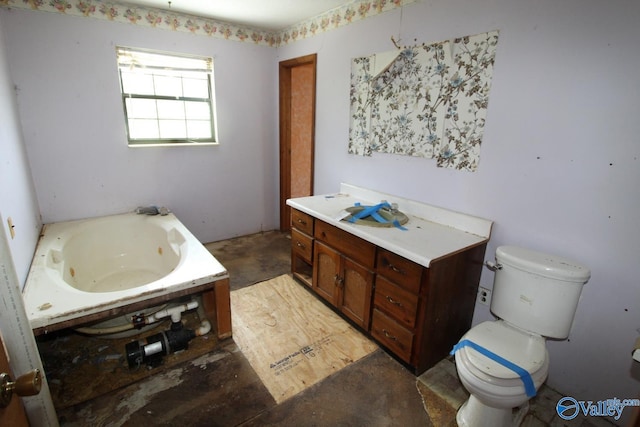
{"x":167,"y":97}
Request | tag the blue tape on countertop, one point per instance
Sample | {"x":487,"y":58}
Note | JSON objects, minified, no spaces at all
{"x":368,"y":210}
{"x":529,"y":388}
{"x":373,"y":212}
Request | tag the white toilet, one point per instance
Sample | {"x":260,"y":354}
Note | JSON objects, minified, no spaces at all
{"x":503,"y":363}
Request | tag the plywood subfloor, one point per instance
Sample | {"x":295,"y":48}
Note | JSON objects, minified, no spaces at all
{"x":290,"y":338}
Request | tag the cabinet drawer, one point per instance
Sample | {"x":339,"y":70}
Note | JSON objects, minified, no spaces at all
{"x":302,"y":221}
{"x":392,"y":335}
{"x":399,"y":270}
{"x":397,"y":302}
{"x":346,"y":243}
{"x":302,"y":245}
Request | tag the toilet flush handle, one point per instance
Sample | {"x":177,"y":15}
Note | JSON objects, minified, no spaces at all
{"x":493,"y":266}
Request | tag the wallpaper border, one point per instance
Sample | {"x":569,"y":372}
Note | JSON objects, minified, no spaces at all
{"x":166,"y":20}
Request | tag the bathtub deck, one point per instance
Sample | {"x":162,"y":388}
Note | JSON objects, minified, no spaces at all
{"x":215,"y":299}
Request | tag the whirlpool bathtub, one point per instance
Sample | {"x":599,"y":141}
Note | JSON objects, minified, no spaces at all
{"x":97,"y":268}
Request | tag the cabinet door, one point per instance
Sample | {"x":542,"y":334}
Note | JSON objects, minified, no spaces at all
{"x":354,"y":292}
{"x":326,"y":272}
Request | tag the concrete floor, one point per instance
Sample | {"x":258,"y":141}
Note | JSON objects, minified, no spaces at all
{"x":220,"y":388}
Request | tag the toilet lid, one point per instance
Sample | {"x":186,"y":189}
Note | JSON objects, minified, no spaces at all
{"x":527,"y":351}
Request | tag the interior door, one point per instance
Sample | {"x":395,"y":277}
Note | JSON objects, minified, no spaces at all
{"x":19,"y":341}
{"x":297,"y":130}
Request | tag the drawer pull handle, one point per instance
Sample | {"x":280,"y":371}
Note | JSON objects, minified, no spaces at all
{"x":392,"y":301}
{"x":301,"y":221}
{"x":388,"y":335}
{"x":396,"y":269}
{"x":338,"y":280}
{"x":300,"y":245}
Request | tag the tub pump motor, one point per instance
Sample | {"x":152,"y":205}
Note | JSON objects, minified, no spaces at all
{"x":152,"y":349}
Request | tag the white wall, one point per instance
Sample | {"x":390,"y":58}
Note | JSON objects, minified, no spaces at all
{"x":560,"y":162}
{"x":17,"y":194}
{"x":71,"y":112}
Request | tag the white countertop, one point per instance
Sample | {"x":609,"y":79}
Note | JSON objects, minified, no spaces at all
{"x":432,"y":232}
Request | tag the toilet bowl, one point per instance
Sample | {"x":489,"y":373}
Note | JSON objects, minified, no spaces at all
{"x":495,"y":389}
{"x":502,"y":363}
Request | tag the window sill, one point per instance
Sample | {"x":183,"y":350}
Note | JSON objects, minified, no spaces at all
{"x":175,"y":144}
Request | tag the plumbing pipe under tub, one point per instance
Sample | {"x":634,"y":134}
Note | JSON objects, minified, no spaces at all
{"x":141,"y":320}
{"x":174,"y":312}
{"x":204,"y":329}
{"x":106,"y":331}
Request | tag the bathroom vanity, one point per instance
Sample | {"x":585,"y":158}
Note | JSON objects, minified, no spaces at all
{"x":412,"y":289}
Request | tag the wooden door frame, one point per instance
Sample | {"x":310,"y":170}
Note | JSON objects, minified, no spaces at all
{"x":285,"y":68}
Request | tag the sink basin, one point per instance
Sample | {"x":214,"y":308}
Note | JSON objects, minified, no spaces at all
{"x":388,"y":214}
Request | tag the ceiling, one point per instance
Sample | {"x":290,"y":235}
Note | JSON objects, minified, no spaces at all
{"x":263,"y":14}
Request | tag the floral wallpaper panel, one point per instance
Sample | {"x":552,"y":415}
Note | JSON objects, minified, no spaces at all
{"x":360,"y":106}
{"x":429,"y":102}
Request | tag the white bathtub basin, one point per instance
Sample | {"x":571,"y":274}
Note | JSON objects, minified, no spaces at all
{"x":117,"y":254}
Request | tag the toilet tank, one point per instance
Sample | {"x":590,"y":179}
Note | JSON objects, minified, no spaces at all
{"x":537,"y":292}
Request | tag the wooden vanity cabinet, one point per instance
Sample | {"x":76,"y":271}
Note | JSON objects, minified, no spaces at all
{"x":302,"y":246}
{"x":343,"y":272}
{"x":449,"y":290}
{"x":396,"y":301}
{"x":417,"y":313}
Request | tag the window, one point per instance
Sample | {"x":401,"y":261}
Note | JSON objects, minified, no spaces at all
{"x":168,"y":98}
